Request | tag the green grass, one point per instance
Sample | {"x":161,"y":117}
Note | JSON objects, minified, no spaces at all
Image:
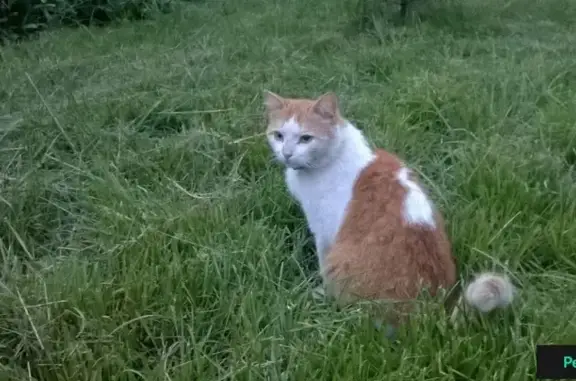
{"x":145,"y":233}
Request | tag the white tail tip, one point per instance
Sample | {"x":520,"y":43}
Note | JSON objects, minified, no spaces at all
{"x":489,"y":291}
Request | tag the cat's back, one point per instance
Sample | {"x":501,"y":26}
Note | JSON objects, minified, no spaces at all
{"x":391,"y":237}
{"x":387,"y":193}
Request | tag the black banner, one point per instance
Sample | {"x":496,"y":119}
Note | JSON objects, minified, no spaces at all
{"x":555,"y":362}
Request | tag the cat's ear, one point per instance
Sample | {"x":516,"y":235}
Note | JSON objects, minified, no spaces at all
{"x":327,"y":106}
{"x":273,"y":102}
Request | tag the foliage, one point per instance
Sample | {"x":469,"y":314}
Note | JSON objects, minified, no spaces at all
{"x":368,"y":14}
{"x":24,"y":17}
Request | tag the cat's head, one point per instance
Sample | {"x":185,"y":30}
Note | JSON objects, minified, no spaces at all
{"x":303,"y":133}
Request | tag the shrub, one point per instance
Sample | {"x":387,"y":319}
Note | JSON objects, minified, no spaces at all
{"x":370,"y":12}
{"x":22,"y":17}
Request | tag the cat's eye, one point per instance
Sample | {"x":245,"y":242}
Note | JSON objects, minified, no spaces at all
{"x":278,"y":135}
{"x":306,"y":138}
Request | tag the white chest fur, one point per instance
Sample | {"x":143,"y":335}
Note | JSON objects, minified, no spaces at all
{"x":324,"y":193}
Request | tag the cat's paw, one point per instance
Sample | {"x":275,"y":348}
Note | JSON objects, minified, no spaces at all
{"x":390,"y":332}
{"x":318,"y":293}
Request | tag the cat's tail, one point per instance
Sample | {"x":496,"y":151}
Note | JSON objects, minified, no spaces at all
{"x":489,"y":291}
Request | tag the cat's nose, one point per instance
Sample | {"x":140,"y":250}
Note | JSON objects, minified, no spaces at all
{"x":287,"y":153}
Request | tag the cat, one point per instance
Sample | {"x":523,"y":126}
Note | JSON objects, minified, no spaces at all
{"x":377,"y":234}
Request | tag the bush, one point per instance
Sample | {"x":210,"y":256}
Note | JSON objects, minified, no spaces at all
{"x":22,"y":17}
{"x":368,"y":13}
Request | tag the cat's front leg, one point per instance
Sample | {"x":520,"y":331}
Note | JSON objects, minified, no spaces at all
{"x":322,"y":248}
{"x":319,"y":293}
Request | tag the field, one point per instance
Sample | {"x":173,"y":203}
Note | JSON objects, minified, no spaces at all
{"x":146,"y":233}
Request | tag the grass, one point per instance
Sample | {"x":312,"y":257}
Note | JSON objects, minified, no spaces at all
{"x":145,"y":233}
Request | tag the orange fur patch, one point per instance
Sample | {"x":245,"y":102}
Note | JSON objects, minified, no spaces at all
{"x":315,"y":116}
{"x":376,"y":254}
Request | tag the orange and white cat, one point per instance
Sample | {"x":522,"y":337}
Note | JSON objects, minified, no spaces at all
{"x":377,"y":234}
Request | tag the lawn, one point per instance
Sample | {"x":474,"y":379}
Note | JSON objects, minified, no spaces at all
{"x":146,"y":233}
